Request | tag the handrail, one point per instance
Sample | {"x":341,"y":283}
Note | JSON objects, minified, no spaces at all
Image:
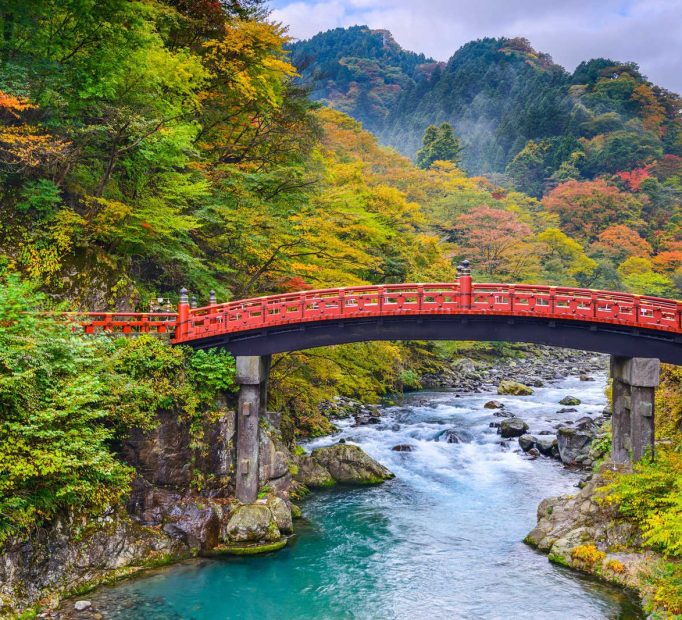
{"x":440,"y":298}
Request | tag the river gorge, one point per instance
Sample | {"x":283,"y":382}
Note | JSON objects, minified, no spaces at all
{"x":441,"y":540}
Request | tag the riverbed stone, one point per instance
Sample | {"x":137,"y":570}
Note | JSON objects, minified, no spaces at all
{"x":349,"y":464}
{"x":574,"y":442}
{"x":527,"y":442}
{"x":548,"y":446}
{"x":454,"y":436}
{"x":82,"y":605}
{"x":570,"y":401}
{"x":252,"y":523}
{"x":403,"y":447}
{"x":514,"y":388}
{"x":513,"y":427}
{"x":493,"y":404}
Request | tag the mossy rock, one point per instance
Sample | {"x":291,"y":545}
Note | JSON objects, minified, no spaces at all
{"x":514,"y":388}
{"x":349,"y":464}
{"x":252,"y":549}
{"x":570,"y":401}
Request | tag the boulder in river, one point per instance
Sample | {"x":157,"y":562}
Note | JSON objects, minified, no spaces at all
{"x":493,"y":404}
{"x":513,"y":427}
{"x":570,"y":401}
{"x":527,"y":442}
{"x":548,"y":446}
{"x":403,"y":447}
{"x":454,"y":436}
{"x":574,"y":441}
{"x":252,"y":523}
{"x":514,"y":388}
{"x":349,"y":464}
{"x":567,"y":410}
{"x":312,"y":474}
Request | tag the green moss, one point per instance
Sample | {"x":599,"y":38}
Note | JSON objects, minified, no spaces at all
{"x":296,"y":512}
{"x":557,"y":558}
{"x":254,"y":549}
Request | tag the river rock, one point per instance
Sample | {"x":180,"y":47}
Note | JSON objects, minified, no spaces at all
{"x":252,"y":523}
{"x":493,"y":404}
{"x":403,"y":447}
{"x":548,"y":446}
{"x":453,"y":436}
{"x":82,"y":605}
{"x":513,"y":427}
{"x":527,"y":442}
{"x":281,"y":513}
{"x":514,"y":388}
{"x":311,"y":473}
{"x":570,"y":401}
{"x":567,"y":410}
{"x":349,"y":464}
{"x":585,"y":377}
{"x":574,"y":441}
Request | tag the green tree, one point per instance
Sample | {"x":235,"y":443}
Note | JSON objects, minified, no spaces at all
{"x":439,"y":144}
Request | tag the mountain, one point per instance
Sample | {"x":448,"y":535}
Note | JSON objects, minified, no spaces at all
{"x":361,"y":72}
{"x":515,"y":111}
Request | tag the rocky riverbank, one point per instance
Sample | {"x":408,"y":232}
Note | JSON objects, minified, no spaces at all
{"x":591,"y":536}
{"x":168,"y":519}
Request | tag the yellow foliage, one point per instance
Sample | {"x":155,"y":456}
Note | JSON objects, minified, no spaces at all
{"x":588,"y":554}
{"x":615,"y":566}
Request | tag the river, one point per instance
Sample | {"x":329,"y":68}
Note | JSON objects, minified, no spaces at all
{"x":442,"y":540}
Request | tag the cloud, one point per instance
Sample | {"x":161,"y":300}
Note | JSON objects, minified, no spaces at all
{"x":648,"y":32}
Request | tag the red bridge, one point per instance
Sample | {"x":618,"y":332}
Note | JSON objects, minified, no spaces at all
{"x":602,"y":321}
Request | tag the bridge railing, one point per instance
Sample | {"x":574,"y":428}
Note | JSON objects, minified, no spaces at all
{"x":124,"y":322}
{"x":439,"y":298}
{"x":448,"y":298}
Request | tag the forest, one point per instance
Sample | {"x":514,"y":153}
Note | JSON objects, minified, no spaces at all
{"x":147,"y":145}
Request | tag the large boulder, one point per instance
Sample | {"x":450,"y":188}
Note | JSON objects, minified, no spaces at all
{"x":349,"y":464}
{"x":252,"y":523}
{"x":574,"y":442}
{"x":514,"y":388}
{"x":310,"y":473}
{"x":513,"y":427}
{"x":570,"y":401}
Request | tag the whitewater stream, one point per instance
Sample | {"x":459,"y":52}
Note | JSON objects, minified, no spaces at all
{"x":442,"y":540}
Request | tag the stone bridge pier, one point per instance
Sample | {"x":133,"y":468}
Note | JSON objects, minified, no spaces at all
{"x":252,"y":378}
{"x":635,"y":380}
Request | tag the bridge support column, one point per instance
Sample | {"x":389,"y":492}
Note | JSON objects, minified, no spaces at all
{"x":635,"y":380}
{"x":252,"y":378}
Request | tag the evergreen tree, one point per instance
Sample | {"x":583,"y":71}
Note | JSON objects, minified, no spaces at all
{"x":439,"y":144}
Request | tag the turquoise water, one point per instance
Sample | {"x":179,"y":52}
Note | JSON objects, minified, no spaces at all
{"x":442,"y":540}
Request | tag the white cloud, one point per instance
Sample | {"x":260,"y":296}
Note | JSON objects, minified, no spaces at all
{"x":648,"y":32}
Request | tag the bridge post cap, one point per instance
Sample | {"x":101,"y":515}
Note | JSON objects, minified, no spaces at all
{"x":212,"y":297}
{"x":466,"y":263}
{"x":194,"y":301}
{"x":183,"y":295}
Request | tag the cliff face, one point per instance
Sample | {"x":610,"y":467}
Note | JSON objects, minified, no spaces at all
{"x":181,"y":505}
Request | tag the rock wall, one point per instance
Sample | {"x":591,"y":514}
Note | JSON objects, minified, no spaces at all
{"x":181,"y":504}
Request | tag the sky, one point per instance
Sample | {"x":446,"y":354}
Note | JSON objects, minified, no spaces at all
{"x":648,"y":32}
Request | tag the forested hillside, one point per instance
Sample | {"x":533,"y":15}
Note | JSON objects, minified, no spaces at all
{"x":517,"y":113}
